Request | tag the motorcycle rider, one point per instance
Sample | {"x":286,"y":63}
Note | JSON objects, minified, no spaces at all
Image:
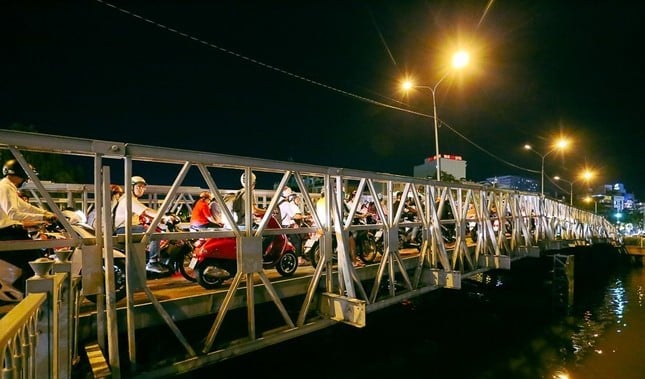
{"x":202,"y":216}
{"x":290,"y":213}
{"x":361,"y":213}
{"x":291,"y":217}
{"x":116,"y":191}
{"x":140,"y":211}
{"x":16,"y":217}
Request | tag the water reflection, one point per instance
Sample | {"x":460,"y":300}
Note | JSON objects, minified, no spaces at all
{"x":608,"y":341}
{"x":501,"y":324}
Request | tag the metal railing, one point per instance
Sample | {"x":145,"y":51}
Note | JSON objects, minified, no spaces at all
{"x":38,"y":336}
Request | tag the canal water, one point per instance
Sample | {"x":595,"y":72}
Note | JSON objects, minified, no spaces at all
{"x":504,"y":324}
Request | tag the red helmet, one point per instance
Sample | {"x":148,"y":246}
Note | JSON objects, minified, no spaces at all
{"x":116,"y":189}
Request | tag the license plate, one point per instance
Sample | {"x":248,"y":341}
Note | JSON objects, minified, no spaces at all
{"x":193,"y":263}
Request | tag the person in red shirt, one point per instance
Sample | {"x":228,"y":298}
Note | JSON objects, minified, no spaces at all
{"x":202,"y":217}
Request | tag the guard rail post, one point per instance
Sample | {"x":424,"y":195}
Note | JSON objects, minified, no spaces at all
{"x":46,"y":357}
{"x":66,"y":314}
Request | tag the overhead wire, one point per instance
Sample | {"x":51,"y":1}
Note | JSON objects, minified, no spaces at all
{"x":310,"y":81}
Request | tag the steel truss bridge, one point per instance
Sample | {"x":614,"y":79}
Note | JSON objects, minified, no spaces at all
{"x":41,"y":336}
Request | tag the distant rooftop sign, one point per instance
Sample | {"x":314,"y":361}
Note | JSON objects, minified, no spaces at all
{"x":444,"y":156}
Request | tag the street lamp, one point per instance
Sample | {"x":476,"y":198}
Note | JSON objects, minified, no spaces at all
{"x":586,"y":176}
{"x":559,"y":145}
{"x":459,"y":60}
{"x":595,"y":199}
{"x":571,"y":188}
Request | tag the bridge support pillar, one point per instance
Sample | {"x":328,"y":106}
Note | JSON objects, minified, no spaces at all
{"x":441,"y":278}
{"x":342,"y":308}
{"x":555,"y":245}
{"x":529,"y":251}
{"x":495,"y":261}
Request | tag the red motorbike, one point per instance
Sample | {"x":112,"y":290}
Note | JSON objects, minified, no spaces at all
{"x":215,"y":259}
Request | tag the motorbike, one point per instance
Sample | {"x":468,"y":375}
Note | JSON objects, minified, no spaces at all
{"x":311,"y":250}
{"x":77,"y":221}
{"x":215,"y":259}
{"x":176,"y":255}
{"x":369,"y":243}
{"x":12,"y":266}
{"x":409,"y":237}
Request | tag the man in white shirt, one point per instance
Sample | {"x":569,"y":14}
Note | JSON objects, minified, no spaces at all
{"x":139,"y":212}
{"x":289,"y":211}
{"x":16,"y":217}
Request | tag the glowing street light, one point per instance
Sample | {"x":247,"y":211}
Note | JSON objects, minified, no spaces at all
{"x":559,"y":145}
{"x":586,"y":176}
{"x":459,"y":60}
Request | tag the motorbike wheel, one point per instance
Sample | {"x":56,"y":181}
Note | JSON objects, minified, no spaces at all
{"x":287,"y":264}
{"x":119,"y":281}
{"x":207,"y":281}
{"x":315,"y":254}
{"x":184,"y":267}
{"x":367,"y":251}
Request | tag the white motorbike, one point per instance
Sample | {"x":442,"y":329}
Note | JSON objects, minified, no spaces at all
{"x":77,"y":221}
{"x":10,"y":273}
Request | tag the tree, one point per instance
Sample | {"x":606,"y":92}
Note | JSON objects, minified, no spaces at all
{"x":54,"y":167}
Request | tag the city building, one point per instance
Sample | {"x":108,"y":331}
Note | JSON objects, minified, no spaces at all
{"x":450,"y":164}
{"x":514,"y":182}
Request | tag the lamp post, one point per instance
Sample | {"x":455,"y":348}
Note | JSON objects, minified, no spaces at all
{"x":586,"y":176}
{"x":459,"y":60}
{"x":589,"y":199}
{"x":595,"y":199}
{"x":570,"y":190}
{"x":559,"y":145}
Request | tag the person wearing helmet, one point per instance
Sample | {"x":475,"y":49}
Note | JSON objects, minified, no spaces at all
{"x":243,"y":180}
{"x":239,"y":208}
{"x":202,"y":216}
{"x":291,"y":217}
{"x":140,"y":212}
{"x":17,"y":216}
{"x":290,"y":213}
{"x":116,"y":191}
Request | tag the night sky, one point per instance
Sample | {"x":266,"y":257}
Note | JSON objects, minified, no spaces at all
{"x":318,"y":81}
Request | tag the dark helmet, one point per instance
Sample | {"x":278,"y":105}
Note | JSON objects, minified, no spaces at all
{"x":12,"y":167}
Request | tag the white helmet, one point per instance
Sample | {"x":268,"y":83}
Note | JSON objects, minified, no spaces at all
{"x":243,"y":179}
{"x":286,"y":192}
{"x":138,"y":179}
